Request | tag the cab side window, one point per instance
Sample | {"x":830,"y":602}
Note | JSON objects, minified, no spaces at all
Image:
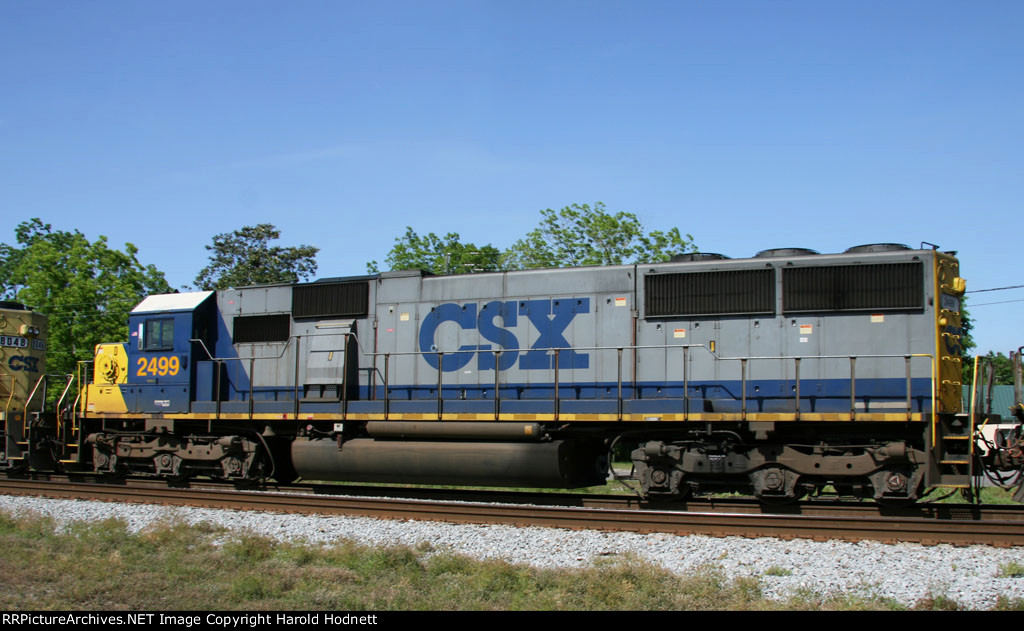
{"x":159,"y":334}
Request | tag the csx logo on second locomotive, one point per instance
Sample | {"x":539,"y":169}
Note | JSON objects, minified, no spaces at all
{"x":550,"y":317}
{"x":25,"y":363}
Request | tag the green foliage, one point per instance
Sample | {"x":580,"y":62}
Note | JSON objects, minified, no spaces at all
{"x":966,"y":344}
{"x":776,"y":570}
{"x":1011,"y":569}
{"x":966,"y":326}
{"x":581,"y":235}
{"x":575,"y":235}
{"x":1009,"y":604}
{"x":86,"y":289}
{"x":440,"y":255}
{"x":940,"y":602}
{"x":174,"y":566}
{"x":1001,"y":363}
{"x":245,"y":257}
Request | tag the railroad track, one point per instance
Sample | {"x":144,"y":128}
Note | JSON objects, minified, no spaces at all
{"x":957,"y":524}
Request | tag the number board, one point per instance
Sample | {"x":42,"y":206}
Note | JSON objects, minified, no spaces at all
{"x":161,"y":366}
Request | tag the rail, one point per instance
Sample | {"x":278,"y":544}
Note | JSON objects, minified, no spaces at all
{"x":928,"y":523}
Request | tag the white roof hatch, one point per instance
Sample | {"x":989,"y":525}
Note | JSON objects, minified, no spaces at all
{"x":172,"y":302}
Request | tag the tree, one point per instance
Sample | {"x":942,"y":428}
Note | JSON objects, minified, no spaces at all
{"x":967,"y":344}
{"x":447,"y":255}
{"x":581,"y":235}
{"x":575,"y":235}
{"x":86,"y":289}
{"x":245,"y":257}
{"x":1000,"y":362}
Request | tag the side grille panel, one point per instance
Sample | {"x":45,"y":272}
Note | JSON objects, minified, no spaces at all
{"x":881,"y":287}
{"x":710,"y":293}
{"x":261,"y":328}
{"x":320,"y":300}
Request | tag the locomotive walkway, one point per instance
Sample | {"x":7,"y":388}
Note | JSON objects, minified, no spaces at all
{"x":958,"y":524}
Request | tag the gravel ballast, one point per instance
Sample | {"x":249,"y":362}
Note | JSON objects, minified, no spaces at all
{"x":906,"y":573}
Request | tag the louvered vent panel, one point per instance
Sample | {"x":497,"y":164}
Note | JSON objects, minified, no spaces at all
{"x":261,"y":328}
{"x":882,"y":287}
{"x":321,"y":300}
{"x":710,"y":293}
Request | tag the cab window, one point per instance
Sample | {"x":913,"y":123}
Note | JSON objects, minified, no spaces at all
{"x":159,"y":334}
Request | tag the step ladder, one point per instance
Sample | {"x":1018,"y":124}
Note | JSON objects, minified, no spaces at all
{"x":14,"y":447}
{"x":953,"y":436}
{"x":953,"y":452}
{"x":31,"y":426}
{"x":69,"y":432}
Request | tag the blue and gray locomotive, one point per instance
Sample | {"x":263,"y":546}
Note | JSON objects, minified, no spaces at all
{"x":776,"y":375}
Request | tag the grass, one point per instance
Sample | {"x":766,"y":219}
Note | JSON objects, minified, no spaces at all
{"x":775,"y":570}
{"x":172,"y":566}
{"x":989,"y":495}
{"x":1011,"y":570}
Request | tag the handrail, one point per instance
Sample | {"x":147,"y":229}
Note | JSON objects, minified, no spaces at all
{"x":42,"y":381}
{"x":7,"y":415}
{"x":656,"y":346}
{"x":219,"y":361}
{"x":974,"y":389}
{"x":82,"y":398}
{"x":60,"y":401}
{"x":10,"y":396}
{"x":744,"y":361}
{"x":556,"y":365}
{"x":28,"y":401}
{"x":283,"y":349}
{"x":745,"y":364}
{"x":71,"y":379}
{"x":1018,"y":379}
{"x":83,"y":380}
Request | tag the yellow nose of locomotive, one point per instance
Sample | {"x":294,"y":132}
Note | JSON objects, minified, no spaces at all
{"x":22,"y":358}
{"x":110,"y":370}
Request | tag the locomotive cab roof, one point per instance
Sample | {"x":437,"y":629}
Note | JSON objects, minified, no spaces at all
{"x":172,"y":302}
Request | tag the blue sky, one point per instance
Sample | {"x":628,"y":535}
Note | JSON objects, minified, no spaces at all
{"x":749,"y":125}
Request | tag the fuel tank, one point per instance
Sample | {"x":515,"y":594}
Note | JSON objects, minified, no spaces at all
{"x":556,"y":464}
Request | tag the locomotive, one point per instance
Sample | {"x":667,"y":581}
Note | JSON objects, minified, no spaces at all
{"x":776,"y":375}
{"x":23,"y":389}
